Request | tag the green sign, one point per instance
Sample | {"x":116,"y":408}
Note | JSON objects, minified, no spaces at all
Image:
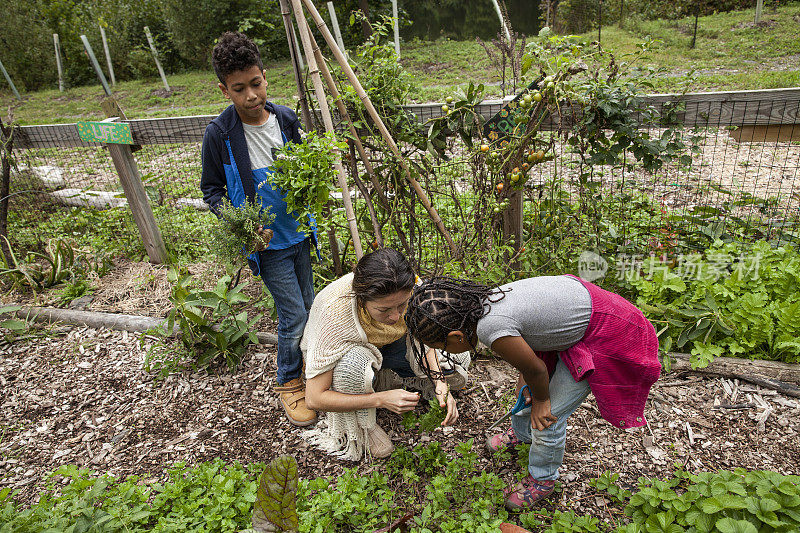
{"x":500,"y":126}
{"x":105,"y":132}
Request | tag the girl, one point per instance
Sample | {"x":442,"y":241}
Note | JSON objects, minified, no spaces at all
{"x":355,"y":329}
{"x":565,"y":336}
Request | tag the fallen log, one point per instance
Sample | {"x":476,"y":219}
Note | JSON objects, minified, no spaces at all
{"x":115,"y":321}
{"x":774,"y":375}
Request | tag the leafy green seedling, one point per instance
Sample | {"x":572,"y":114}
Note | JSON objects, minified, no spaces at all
{"x":275,"y":508}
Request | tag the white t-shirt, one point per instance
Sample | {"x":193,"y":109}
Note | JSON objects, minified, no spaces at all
{"x":261,"y":140}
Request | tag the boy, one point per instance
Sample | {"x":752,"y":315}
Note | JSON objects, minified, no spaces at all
{"x":238,"y":151}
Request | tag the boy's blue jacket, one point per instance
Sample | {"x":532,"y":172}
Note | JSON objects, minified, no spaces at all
{"x":226,"y":161}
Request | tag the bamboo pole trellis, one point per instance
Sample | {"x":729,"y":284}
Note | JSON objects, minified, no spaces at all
{"x":305,"y":34}
{"x":423,"y":197}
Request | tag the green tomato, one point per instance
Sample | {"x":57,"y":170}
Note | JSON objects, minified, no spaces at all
{"x":449,"y":99}
{"x":537,"y":96}
{"x":445,"y":109}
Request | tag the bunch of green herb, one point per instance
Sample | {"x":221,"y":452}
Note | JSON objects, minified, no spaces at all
{"x":305,"y":176}
{"x":428,"y":421}
{"x":235,"y":235}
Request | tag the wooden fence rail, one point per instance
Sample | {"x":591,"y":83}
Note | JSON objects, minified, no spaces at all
{"x":770,"y":108}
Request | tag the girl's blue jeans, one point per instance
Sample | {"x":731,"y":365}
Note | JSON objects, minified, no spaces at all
{"x":288,"y":277}
{"x":547,"y":446}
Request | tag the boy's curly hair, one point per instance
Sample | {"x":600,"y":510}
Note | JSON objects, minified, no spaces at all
{"x":234,"y":51}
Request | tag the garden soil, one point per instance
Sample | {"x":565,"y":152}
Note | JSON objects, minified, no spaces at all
{"x":81,"y":396}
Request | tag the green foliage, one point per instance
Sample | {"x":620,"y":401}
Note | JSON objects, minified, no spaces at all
{"x":210,"y":497}
{"x":235,"y":235}
{"x":275,"y":508}
{"x":38,"y":271}
{"x":73,"y":289}
{"x":724,"y":501}
{"x":212,"y":323}
{"x":737,"y":300}
{"x":305,"y":175}
{"x":427,"y":422}
{"x":14,"y":326}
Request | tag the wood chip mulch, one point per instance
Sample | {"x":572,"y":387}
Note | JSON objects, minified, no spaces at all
{"x":81,"y":396}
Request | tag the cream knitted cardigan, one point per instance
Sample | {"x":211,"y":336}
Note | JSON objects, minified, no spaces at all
{"x":332,"y":330}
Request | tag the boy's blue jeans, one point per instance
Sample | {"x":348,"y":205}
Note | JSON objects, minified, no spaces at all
{"x":288,"y":277}
{"x":547,"y":446}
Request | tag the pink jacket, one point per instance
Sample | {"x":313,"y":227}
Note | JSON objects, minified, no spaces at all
{"x":618,"y":356}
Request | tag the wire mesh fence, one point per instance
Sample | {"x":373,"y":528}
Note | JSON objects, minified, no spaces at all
{"x":741,"y":182}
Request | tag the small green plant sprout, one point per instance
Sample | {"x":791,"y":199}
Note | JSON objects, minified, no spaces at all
{"x":236,"y":236}
{"x":37,"y":270}
{"x":14,"y":326}
{"x":305,"y":176}
{"x":275,"y":508}
{"x":212,"y":323}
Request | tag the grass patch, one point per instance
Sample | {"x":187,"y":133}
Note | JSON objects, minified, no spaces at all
{"x":730,"y":54}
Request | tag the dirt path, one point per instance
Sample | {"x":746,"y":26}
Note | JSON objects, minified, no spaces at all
{"x":80,"y":396}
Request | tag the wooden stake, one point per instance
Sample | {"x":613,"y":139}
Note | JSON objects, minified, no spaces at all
{"x":305,"y":37}
{"x":58,"y":63}
{"x":379,"y":123}
{"x":138,"y":201}
{"x":108,"y":56}
{"x":7,"y":140}
{"x":759,"y":7}
{"x":96,"y":65}
{"x":155,"y":57}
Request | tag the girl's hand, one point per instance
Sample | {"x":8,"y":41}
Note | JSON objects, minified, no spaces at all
{"x":398,"y":400}
{"x":446,"y":400}
{"x":541,"y":417}
{"x":527,"y":393}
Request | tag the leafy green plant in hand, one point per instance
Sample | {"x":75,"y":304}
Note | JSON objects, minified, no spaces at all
{"x":428,"y":421}
{"x":305,"y":174}
{"x":235,"y":235}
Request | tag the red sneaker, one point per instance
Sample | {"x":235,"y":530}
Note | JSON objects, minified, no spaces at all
{"x":498,"y":441}
{"x":527,"y":493}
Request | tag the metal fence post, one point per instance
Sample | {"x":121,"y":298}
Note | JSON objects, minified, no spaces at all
{"x":108,"y":56}
{"x":155,"y":56}
{"x":58,"y":63}
{"x":11,"y":83}
{"x":96,"y":65}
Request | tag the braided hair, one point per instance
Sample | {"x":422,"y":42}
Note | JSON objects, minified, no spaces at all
{"x":443,"y":304}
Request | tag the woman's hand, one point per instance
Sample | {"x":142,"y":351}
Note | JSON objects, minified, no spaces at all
{"x":541,"y":417}
{"x":398,"y":400}
{"x":446,"y":400}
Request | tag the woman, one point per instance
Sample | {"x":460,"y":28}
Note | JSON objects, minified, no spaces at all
{"x":355,"y":329}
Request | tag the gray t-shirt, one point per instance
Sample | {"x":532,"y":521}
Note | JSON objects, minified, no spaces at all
{"x":550,"y":312}
{"x":261,"y":140}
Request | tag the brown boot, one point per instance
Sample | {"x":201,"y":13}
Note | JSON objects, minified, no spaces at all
{"x":293,"y":400}
{"x":380,"y":445}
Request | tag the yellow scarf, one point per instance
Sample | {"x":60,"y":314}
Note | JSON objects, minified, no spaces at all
{"x":381,"y":334}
